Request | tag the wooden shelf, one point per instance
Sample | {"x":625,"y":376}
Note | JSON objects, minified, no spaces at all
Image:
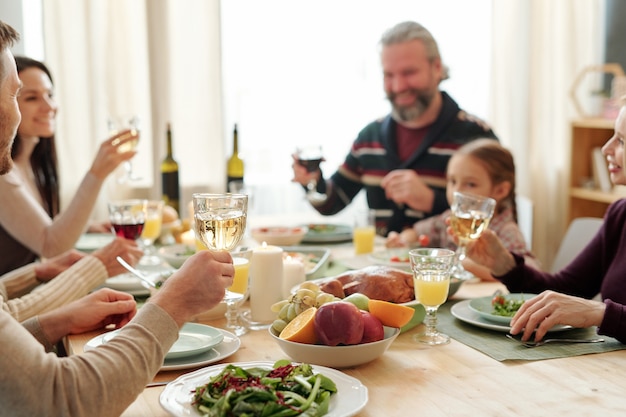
{"x":587,"y":134}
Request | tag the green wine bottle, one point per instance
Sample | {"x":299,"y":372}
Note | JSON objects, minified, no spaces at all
{"x":169,"y":175}
{"x":234,"y":167}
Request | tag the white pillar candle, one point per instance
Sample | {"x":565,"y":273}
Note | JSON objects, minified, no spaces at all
{"x":266,"y":275}
{"x":293,"y":274}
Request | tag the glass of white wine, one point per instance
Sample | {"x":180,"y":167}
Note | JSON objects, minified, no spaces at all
{"x":470,"y":216}
{"x":220,"y":224}
{"x":431,"y":278}
{"x":117,"y":124}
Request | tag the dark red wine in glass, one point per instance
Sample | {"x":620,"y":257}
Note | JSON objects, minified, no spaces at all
{"x":311,"y":165}
{"x":128,"y":231}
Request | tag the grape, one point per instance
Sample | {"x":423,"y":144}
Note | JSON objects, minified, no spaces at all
{"x":278,"y":325}
{"x":310,"y":286}
{"x":283,"y":313}
{"x":276,"y":307}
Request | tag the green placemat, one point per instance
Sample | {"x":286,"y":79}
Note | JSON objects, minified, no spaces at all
{"x":499,"y":347}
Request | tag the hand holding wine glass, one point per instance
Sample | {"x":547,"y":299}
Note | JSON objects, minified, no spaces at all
{"x":130,"y":123}
{"x":470,"y":216}
{"x":431,"y":277}
{"x":220,"y":223}
{"x":311,"y":157}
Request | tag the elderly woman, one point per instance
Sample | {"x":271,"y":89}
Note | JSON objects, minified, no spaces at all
{"x":567,"y":295}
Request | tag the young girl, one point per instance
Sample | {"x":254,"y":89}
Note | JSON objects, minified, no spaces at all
{"x":482,"y":167}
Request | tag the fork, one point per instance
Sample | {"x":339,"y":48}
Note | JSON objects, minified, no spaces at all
{"x":531,"y":344}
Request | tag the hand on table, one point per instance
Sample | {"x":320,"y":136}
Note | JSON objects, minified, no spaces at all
{"x":550,"y":308}
{"x":404,"y":186}
{"x":52,"y":267}
{"x":94,"y":311}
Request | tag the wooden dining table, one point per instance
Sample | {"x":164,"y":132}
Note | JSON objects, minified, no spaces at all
{"x":448,"y":380}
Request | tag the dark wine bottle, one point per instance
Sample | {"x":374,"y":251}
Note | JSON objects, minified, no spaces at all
{"x":234,"y":167}
{"x":169,"y":175}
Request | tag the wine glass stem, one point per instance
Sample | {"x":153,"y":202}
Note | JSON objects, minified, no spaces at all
{"x":460,"y":255}
{"x":431,"y":321}
{"x":311,"y":186}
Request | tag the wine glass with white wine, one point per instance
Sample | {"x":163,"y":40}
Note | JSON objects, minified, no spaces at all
{"x":117,"y":124}
{"x":470,"y":216}
{"x":220,"y":224}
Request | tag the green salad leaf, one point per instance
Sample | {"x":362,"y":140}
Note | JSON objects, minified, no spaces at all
{"x":283,"y":391}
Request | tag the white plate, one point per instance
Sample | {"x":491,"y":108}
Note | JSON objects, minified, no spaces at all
{"x":463,"y":312}
{"x":193,"y":339}
{"x":351,"y":396}
{"x":483,"y":307}
{"x":230,"y":344}
{"x":384,"y":258}
{"x":126,"y":283}
{"x":90,"y":242}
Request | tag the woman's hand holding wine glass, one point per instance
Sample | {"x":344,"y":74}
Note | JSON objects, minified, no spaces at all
{"x":120,"y":124}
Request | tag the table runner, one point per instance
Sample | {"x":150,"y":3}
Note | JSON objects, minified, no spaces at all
{"x":498,"y":346}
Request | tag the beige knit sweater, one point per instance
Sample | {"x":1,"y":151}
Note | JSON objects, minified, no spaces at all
{"x":23,"y":296}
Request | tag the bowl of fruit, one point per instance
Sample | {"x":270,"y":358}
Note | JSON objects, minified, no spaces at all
{"x":316,"y":327}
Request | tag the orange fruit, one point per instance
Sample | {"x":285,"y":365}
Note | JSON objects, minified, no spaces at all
{"x":390,"y":314}
{"x":302,"y":328}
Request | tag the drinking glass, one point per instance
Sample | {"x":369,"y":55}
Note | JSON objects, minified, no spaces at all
{"x":241,"y":262}
{"x":364,"y":231}
{"x":117,"y":124}
{"x":220,"y":223}
{"x":128,"y":217}
{"x":311,"y":157}
{"x":431,"y":279}
{"x":470,"y":216}
{"x":151,"y":231}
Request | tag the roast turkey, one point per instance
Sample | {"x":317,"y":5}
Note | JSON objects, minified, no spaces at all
{"x":377,"y":282}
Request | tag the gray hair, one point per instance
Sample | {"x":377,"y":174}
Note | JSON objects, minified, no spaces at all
{"x":410,"y":31}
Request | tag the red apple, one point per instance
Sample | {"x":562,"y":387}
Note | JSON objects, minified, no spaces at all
{"x":338,"y":323}
{"x":373,"y":330}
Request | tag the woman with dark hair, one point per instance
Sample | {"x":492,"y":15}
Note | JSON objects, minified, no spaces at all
{"x":31,"y":223}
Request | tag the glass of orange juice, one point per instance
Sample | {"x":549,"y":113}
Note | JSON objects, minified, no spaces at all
{"x":364,"y":231}
{"x":431,"y":278}
{"x":151,"y":231}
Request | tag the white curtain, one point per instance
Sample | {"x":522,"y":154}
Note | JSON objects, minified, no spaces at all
{"x":539,"y":47}
{"x":153,"y":58}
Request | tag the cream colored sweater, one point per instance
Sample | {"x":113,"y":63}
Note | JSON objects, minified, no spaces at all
{"x":100,"y":382}
{"x":23,"y":296}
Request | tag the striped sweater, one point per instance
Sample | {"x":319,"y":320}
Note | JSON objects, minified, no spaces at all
{"x":374,"y":154}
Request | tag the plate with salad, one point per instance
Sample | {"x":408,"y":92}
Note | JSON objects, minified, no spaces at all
{"x":499,"y":308}
{"x":326,"y":391}
{"x":462,"y":311}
